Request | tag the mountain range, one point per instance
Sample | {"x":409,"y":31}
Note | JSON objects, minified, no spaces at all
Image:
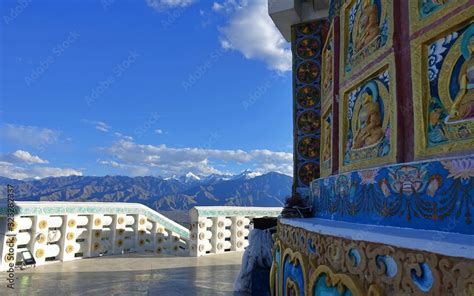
{"x":163,"y":194}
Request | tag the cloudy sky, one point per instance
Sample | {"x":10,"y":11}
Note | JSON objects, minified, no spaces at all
{"x":142,"y":87}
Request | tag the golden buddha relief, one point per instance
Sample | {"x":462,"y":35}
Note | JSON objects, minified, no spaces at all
{"x":444,"y":112}
{"x":366,"y":28}
{"x":368,"y":126}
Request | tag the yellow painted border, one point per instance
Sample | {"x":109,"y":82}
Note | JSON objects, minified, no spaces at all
{"x":323,"y":171}
{"x":275,"y":273}
{"x":416,"y":23}
{"x":343,"y":76}
{"x":419,"y":50}
{"x":293,"y":257}
{"x":326,"y":98}
{"x":334,"y":279}
{"x":389,"y":63}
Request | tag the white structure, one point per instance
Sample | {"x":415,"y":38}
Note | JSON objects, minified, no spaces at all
{"x":216,"y":230}
{"x":64,"y":231}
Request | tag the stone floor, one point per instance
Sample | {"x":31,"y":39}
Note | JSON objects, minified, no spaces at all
{"x":132,"y":274}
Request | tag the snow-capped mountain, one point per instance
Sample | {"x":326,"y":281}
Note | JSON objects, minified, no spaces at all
{"x":247,"y":174}
{"x":193,"y":179}
{"x":176,"y":193}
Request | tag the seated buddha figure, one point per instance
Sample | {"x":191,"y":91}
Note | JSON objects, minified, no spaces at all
{"x":368,"y":28}
{"x":463,"y":106}
{"x":369,"y":122}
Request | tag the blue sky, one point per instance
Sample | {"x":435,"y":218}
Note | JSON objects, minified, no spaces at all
{"x":142,"y":87}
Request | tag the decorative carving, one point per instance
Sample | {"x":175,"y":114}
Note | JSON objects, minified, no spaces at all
{"x":307,"y":96}
{"x":365,"y":268}
{"x":308,"y":147}
{"x":306,"y":47}
{"x":308,"y":172}
{"x":307,"y":72}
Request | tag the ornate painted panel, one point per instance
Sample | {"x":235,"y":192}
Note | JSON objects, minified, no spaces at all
{"x":437,"y":194}
{"x":443,"y":92}
{"x":366,"y":31}
{"x":306,"y":47}
{"x":340,"y":266}
{"x":327,"y":88}
{"x":368,"y":119}
{"x":425,"y":12}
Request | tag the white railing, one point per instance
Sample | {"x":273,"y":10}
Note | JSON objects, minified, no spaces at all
{"x":64,"y":231}
{"x":216,"y":230}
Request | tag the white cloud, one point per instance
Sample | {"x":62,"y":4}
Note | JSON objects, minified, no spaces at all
{"x":251,"y":31}
{"x":167,"y":161}
{"x":12,"y":171}
{"x":99,"y":125}
{"x":217,"y":7}
{"x":158,"y":131}
{"x":31,"y":136}
{"x":161,"y":5}
{"x":122,"y":136}
{"x":21,"y":156}
{"x":134,"y":170}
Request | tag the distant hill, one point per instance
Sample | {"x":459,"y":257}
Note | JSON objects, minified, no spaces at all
{"x":176,"y":193}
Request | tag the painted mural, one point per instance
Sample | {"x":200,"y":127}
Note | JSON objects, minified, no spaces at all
{"x":450,"y":71}
{"x":367,"y":121}
{"x":426,"y":195}
{"x":307,"y":46}
{"x":366,"y":31}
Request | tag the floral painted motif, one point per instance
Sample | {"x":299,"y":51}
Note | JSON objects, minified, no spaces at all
{"x":460,"y":168}
{"x":368,"y":176}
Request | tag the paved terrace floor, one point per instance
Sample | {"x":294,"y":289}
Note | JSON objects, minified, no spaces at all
{"x":132,"y":274}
